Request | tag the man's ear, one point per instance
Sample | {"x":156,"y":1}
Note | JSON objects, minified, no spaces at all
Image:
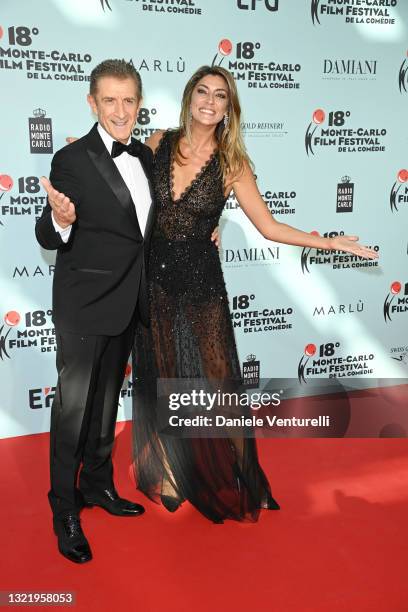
{"x":92,"y":103}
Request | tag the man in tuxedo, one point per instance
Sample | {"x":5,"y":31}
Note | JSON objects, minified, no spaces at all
{"x":99,"y":217}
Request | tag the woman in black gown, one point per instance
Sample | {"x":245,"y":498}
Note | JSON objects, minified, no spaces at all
{"x":191,"y":334}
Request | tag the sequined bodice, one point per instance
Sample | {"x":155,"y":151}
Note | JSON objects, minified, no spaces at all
{"x":195,"y":214}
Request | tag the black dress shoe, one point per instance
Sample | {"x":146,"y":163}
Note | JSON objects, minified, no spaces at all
{"x":109,"y":500}
{"x":72,"y":542}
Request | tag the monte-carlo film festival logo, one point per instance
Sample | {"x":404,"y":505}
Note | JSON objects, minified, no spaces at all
{"x":32,"y":330}
{"x":249,"y":64}
{"x":399,"y":191}
{"x":368,"y":12}
{"x":329,"y":360}
{"x":403,"y":76}
{"x":394,"y":305}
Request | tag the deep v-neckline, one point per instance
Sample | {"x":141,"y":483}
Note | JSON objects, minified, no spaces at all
{"x":190,"y":185}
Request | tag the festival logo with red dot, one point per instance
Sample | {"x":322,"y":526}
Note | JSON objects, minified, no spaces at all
{"x":399,"y":190}
{"x":328,"y":361}
{"x":33,"y":329}
{"x":248,"y":64}
{"x":395,"y":303}
{"x":333,"y":131}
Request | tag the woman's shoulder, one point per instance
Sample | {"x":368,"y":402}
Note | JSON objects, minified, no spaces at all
{"x":158,"y":137}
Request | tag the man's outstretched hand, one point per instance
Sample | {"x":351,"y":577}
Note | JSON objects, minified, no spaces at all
{"x":62,"y":207}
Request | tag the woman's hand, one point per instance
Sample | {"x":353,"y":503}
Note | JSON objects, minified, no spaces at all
{"x":215,"y":237}
{"x":350,"y":245}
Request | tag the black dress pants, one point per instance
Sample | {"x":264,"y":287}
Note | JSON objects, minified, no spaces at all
{"x":91,"y":370}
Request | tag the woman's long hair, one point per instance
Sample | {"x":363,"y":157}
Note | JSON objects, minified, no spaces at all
{"x":231,"y":148}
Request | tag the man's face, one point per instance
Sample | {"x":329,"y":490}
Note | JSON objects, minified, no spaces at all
{"x":116,"y":103}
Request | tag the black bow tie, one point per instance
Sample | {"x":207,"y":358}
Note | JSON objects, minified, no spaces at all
{"x":133,"y":148}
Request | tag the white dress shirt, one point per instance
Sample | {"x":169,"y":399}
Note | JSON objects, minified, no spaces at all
{"x":132,"y":173}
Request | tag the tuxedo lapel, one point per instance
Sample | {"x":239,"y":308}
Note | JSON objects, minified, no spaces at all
{"x":110,"y":174}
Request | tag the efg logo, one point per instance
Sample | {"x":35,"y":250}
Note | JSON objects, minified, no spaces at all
{"x":254,"y":69}
{"x":41,"y":398}
{"x":402,"y":302}
{"x":403,"y":76}
{"x":370,"y":12}
{"x":326,"y":362}
{"x":345,"y":195}
{"x":397,"y":194}
{"x":270,"y":5}
{"x":339,"y":136}
{"x":338,"y":260}
{"x":40,"y":131}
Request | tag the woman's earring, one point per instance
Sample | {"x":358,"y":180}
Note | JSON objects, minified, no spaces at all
{"x":190,"y":116}
{"x":226,"y":120}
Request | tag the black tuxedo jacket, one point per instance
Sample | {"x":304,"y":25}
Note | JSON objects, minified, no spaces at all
{"x":100,"y":274}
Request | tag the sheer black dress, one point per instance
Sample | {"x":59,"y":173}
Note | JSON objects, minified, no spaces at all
{"x":191,"y":336}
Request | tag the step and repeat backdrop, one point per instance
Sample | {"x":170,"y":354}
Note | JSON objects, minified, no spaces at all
{"x":324,"y":91}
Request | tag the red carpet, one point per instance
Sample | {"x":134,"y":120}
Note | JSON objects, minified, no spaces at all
{"x":339,"y":542}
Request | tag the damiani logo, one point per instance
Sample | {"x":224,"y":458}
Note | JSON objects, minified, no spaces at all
{"x":403,"y":76}
{"x":402,"y":178}
{"x":402,"y":302}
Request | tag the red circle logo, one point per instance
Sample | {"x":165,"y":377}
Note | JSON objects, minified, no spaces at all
{"x":310,"y":350}
{"x":128,"y":370}
{"x":1,"y":32}
{"x":12,"y":318}
{"x":6,"y":182}
{"x":225,"y":46}
{"x":319,"y":116}
{"x":395,"y":287}
{"x":403,"y":176}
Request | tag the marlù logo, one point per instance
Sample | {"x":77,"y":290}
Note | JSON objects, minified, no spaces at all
{"x":325,"y":362}
{"x":245,"y":316}
{"x":40,"y":130}
{"x":403,"y":76}
{"x":26,"y":203}
{"x":338,"y":309}
{"x":353,"y":69}
{"x":345,"y":195}
{"x":369,"y":12}
{"x":338,"y":136}
{"x":251,"y":256}
{"x":338,"y":260}
{"x":39,"y":332}
{"x":251,"y":370}
{"x":41,"y":398}
{"x":399,"y":191}
{"x":401,"y":305}
{"x":256,"y":71}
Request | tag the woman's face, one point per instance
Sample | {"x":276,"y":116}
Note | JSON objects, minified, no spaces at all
{"x":210,"y":101}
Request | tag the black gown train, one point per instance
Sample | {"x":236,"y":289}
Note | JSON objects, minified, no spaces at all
{"x":191,"y":336}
